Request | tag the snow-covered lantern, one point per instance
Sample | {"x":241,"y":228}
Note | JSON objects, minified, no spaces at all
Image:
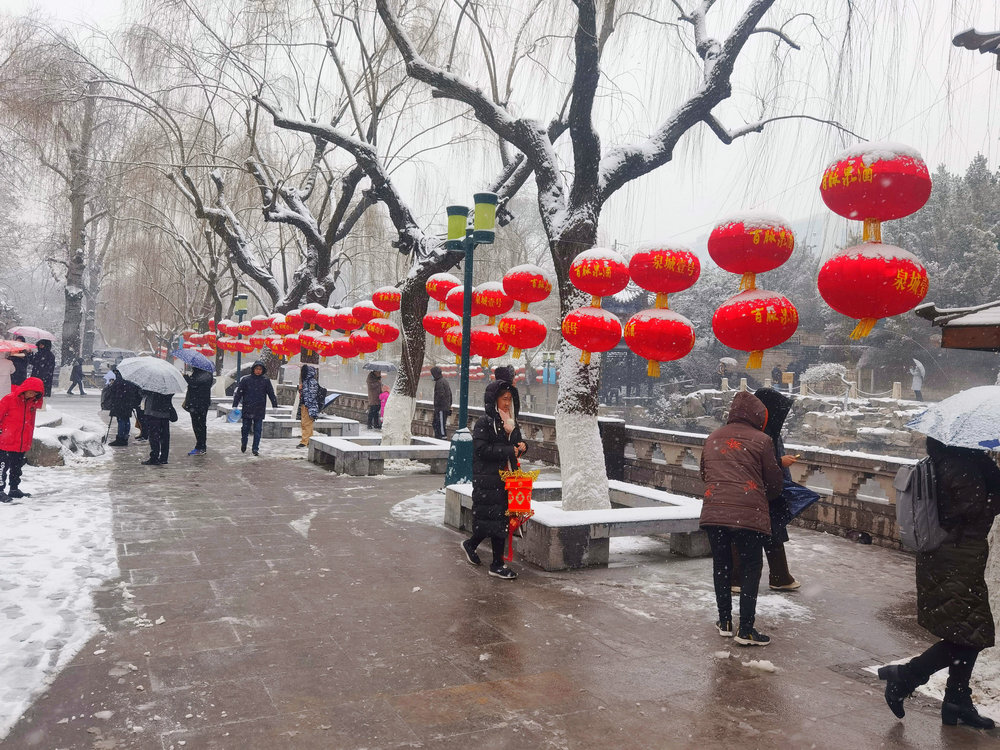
{"x":485,"y":342}
{"x":210,"y":338}
{"x":522,"y":330}
{"x":224,"y":327}
{"x":876,"y":182}
{"x":591,"y":329}
{"x":664,"y":269}
{"x":293,"y":318}
{"x":292,"y":345}
{"x":364,"y":343}
{"x":659,"y":335}
{"x":439,"y":285}
{"x":279,"y":325}
{"x":599,"y":272}
{"x":751,"y":243}
{"x":187,"y":333}
{"x":453,"y":342}
{"x":754,"y":320}
{"x":455,"y":301}
{"x":193,"y":339}
{"x":527,"y":283}
{"x":211,"y":325}
{"x":276,"y":344}
{"x":245,"y":328}
{"x":309,"y":340}
{"x":345,"y":321}
{"x":206,"y":350}
{"x":872,"y":281}
{"x":341,"y":346}
{"x":490,"y":300}
{"x":325,"y":318}
{"x":365,"y":311}
{"x":437,"y":322}
{"x":387,"y":299}
{"x":259,"y":323}
{"x":309,"y":313}
{"x":257,"y":340}
{"x":382,"y":330}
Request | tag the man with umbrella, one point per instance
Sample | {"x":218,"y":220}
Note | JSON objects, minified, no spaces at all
{"x":159,"y":381}
{"x":199,"y":395}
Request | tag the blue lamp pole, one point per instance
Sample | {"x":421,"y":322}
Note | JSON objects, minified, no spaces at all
{"x":460,"y":237}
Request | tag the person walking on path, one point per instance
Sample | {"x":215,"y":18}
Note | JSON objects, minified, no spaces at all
{"x":917,"y":383}
{"x":17,"y":429}
{"x":6,"y":373}
{"x":253,"y":392}
{"x":309,"y":405}
{"x":43,"y":365}
{"x":779,"y":577}
{"x":496,"y":447}
{"x":952,"y":598}
{"x":374,"y":383}
{"x":442,"y":403}
{"x":197,"y":402}
{"x":157,"y":414}
{"x":120,"y":398}
{"x":741,"y":474}
{"x":76,"y":377}
{"x":22,"y":361}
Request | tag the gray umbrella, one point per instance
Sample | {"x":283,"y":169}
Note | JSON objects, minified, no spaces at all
{"x":380,"y":366}
{"x":152,"y":374}
{"x":969,"y":419}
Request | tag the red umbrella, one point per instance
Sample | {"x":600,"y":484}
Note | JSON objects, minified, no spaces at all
{"x":15,"y":346}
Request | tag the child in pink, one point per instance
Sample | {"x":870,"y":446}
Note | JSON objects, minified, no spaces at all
{"x":382,"y":398}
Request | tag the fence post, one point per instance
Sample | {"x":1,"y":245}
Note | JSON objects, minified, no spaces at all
{"x":897,"y":390}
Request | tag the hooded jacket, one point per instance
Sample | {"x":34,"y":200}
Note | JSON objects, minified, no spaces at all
{"x":492,"y":452}
{"x":778,"y":406}
{"x":442,"y":391}
{"x":740,"y":470}
{"x":507,"y":374}
{"x":17,"y":416}
{"x":121,"y":397}
{"x":43,"y":364}
{"x":374,"y":383}
{"x":254,"y":392}
{"x":952,"y":598}
{"x":199,"y":392}
{"x":310,"y":390}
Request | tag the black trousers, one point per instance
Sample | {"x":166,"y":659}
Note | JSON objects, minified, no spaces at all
{"x":257,"y":426}
{"x":76,"y":384}
{"x":749,"y":547}
{"x":199,"y":423}
{"x":158,"y":430}
{"x":499,"y":542}
{"x":373,"y":421}
{"x":10,"y":469}
{"x":441,"y":423}
{"x":958,"y":659}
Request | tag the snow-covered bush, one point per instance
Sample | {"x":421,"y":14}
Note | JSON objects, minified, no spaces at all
{"x":825,"y":379}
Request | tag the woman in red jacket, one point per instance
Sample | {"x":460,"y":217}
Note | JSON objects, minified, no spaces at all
{"x":17,"y":428}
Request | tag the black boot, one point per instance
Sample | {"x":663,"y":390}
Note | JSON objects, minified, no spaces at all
{"x":899,"y":684}
{"x":957,"y":708}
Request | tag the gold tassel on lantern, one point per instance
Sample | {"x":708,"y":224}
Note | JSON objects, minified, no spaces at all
{"x":863,"y":328}
{"x":661,"y":302}
{"x":872,"y":231}
{"x":585,"y":357}
{"x":756,"y":360}
{"x":748,"y":282}
{"x":653,"y":368}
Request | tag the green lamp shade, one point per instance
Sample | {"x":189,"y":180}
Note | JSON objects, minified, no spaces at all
{"x":486,"y":217}
{"x":458,"y":217}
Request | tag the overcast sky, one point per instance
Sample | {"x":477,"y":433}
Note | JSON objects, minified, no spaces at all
{"x":939,"y":99}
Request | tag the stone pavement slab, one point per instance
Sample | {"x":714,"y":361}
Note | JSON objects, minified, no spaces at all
{"x":304,"y":609}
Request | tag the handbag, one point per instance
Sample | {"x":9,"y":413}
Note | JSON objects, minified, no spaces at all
{"x":794,"y":499}
{"x":173,"y":414}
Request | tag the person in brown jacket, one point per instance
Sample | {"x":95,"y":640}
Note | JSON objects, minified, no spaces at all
{"x":741,"y":474}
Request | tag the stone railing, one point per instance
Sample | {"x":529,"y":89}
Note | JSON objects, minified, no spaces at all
{"x":856,"y":492}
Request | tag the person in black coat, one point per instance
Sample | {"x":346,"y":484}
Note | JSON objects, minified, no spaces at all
{"x":120,"y":398}
{"x":158,"y":413}
{"x":197,"y":402}
{"x":254,"y":391}
{"x":442,"y":403}
{"x":496,"y":446}
{"x":43,"y":365}
{"x":952,"y":598}
{"x":21,"y":361}
{"x":76,"y":377}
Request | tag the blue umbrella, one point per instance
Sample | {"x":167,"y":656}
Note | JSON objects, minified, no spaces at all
{"x":195,"y":359}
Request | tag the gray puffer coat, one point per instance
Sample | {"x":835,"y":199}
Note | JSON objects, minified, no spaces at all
{"x":952,"y":598}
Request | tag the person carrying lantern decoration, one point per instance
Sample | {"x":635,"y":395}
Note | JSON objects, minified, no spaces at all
{"x":497,"y":446}
{"x":741,"y":475}
{"x":254,"y":391}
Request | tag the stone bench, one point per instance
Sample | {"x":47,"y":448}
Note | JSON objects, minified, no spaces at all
{"x":557,"y":539}
{"x":288,"y":427}
{"x":366,"y":456}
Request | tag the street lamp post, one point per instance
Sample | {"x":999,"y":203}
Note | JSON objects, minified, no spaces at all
{"x":460,"y":237}
{"x":240,"y":308}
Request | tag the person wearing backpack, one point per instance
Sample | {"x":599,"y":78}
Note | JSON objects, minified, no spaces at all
{"x":952,"y":597}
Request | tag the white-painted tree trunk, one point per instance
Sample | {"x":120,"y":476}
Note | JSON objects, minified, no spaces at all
{"x":396,"y":426}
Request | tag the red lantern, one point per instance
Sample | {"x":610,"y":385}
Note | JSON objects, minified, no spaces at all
{"x":244,"y":329}
{"x":275,"y":344}
{"x":489,"y":299}
{"x":664,"y":270}
{"x":485,"y":342}
{"x":206,"y":350}
{"x":751,"y":243}
{"x":453,"y":342}
{"x":344,"y":320}
{"x":291,"y":344}
{"x":310,"y":311}
{"x":382,"y":330}
{"x":592,"y":330}
{"x":439,"y":285}
{"x":365,"y":311}
{"x":224,"y":326}
{"x":526,"y":284}
{"x":187,"y":333}
{"x":225,"y":344}
{"x":308,"y":339}
{"x":259,"y":323}
{"x":324,"y":346}
{"x":210,"y":338}
{"x":257,"y":341}
{"x":364,"y":343}
{"x":387,"y":298}
{"x":872,"y":281}
{"x":325,"y":319}
{"x":455,"y":301}
{"x":293,"y":319}
{"x":246,"y":346}
{"x":659,"y":335}
{"x":876,"y":182}
{"x":439,"y":321}
{"x":522,"y":330}
{"x":211,"y":325}
{"x":755,"y":320}
{"x":194,"y":339}
{"x":279,"y":324}
{"x":599,"y":272}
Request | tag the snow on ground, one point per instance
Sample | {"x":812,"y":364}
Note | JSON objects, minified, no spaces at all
{"x":427,"y":509}
{"x":58,"y":547}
